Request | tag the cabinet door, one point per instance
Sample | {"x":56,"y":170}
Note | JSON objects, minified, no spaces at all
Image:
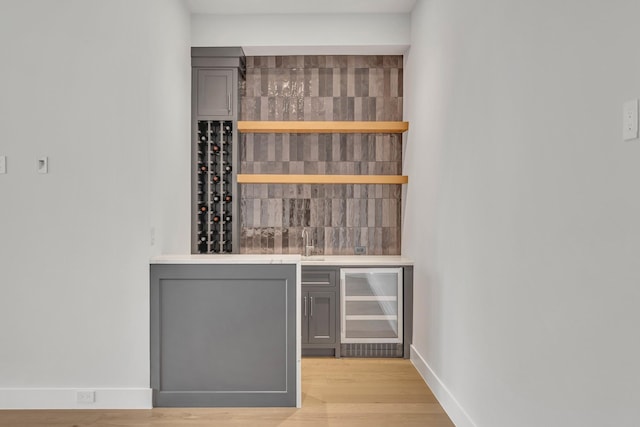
{"x":322,"y":318}
{"x":215,"y":93}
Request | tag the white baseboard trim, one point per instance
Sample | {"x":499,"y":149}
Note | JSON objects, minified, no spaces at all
{"x":448,"y":402}
{"x":67,"y":398}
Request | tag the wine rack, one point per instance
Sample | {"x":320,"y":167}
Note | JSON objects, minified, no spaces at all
{"x":216,"y":184}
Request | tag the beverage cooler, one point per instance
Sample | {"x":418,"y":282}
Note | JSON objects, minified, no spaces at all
{"x":371,"y":305}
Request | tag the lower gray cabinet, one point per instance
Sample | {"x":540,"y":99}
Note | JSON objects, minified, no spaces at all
{"x":320,"y":307}
{"x":223,"y":335}
{"x":320,"y":317}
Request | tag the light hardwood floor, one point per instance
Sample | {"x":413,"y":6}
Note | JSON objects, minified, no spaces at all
{"x":335,"y":392}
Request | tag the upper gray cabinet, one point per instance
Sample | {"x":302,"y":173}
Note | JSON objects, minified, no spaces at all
{"x":215,"y":94}
{"x":216,"y":73}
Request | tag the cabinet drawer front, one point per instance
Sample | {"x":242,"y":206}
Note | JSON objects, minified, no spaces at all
{"x":318,"y":277}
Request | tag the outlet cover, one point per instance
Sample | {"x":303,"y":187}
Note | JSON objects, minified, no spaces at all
{"x":86,"y":396}
{"x":360,"y":250}
{"x":43,"y":165}
{"x":630,"y":120}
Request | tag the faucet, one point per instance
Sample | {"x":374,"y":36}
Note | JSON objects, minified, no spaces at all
{"x":307,"y":248}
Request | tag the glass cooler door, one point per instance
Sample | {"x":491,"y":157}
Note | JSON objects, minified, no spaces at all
{"x":371,"y":305}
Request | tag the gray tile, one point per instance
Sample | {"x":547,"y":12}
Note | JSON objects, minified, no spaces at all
{"x":264,"y":82}
{"x":371,"y":108}
{"x":357,"y":109}
{"x":319,"y":243}
{"x":336,"y":83}
{"x":352,"y":219}
{"x":376,"y":82}
{"x":339,"y":213}
{"x":311,"y":61}
{"x":314,"y":83}
{"x":340,"y":61}
{"x":395,"y":80}
{"x":317,"y":191}
{"x":317,"y":213}
{"x":296,"y":168}
{"x":341,"y":245}
{"x":311,"y":168}
{"x":332,"y":89}
{"x":328,"y":241}
{"x":285,"y":241}
{"x":277,"y":237}
{"x":392,"y":61}
{"x":325,"y":82}
{"x":286,"y":213}
{"x":386,"y":192}
{"x":351,"y":82}
{"x":361,"y":82}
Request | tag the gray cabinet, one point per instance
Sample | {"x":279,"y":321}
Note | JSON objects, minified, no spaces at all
{"x":320,"y":311}
{"x":320,"y":317}
{"x":223,"y":335}
{"x":215,"y":94}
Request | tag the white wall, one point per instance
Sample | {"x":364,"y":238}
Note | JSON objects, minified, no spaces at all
{"x":296,"y":34}
{"x":101,"y":88}
{"x":522,"y":210}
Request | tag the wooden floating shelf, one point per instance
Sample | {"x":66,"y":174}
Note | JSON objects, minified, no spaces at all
{"x":321,"y":127}
{"x":321,"y":179}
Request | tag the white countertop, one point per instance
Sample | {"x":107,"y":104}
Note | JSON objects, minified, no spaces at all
{"x":226,"y":259}
{"x":334,"y":260}
{"x":340,"y":260}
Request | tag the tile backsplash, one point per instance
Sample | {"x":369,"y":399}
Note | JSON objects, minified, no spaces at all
{"x":338,"y":216}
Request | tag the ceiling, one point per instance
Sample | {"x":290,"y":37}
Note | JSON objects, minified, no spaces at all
{"x":241,"y":7}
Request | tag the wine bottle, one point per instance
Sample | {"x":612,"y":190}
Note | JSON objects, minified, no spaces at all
{"x":227,"y":217}
{"x":227,"y":197}
{"x":203,"y":209}
{"x":215,"y":179}
{"x":216,"y":198}
{"x":216,"y":218}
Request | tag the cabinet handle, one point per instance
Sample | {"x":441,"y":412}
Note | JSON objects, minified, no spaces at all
{"x":229,"y":102}
{"x":311,"y":306}
{"x":305,"y":306}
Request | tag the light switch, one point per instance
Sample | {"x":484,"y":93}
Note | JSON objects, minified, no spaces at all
{"x":630,"y":120}
{"x":3,"y":164}
{"x":43,"y":165}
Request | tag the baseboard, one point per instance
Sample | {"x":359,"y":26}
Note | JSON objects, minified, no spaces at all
{"x":448,"y":402}
{"x":67,"y":398}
